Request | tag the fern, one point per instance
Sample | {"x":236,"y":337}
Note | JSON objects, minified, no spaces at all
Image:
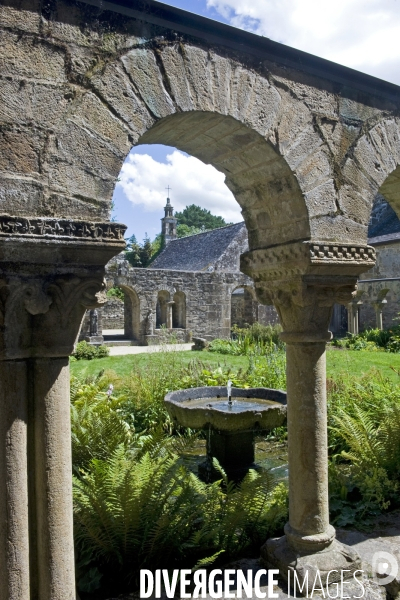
{"x":147,"y":511}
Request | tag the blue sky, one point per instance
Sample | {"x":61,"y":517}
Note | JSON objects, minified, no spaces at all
{"x":362,"y":34}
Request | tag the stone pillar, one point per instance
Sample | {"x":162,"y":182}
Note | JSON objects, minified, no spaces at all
{"x":53,"y":481}
{"x":379,"y":312}
{"x":353,"y":312}
{"x":303,"y":281}
{"x":352,"y":316}
{"x":169,"y":314}
{"x":14,"y":532}
{"x":51,"y":272}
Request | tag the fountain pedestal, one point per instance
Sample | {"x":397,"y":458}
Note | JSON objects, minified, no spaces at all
{"x":230,"y":427}
{"x":234,"y":451}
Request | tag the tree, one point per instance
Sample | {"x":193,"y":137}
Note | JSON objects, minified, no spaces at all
{"x":146,"y":251}
{"x":133,"y":252}
{"x":200,"y":218}
{"x":141,"y":255}
{"x":185,"y":230}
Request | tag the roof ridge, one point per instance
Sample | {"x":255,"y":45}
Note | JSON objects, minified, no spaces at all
{"x":207,"y":231}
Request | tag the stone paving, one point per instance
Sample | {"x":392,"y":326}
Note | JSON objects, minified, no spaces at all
{"x":122,"y":350}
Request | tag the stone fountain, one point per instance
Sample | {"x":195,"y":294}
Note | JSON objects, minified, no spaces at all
{"x":231,"y":418}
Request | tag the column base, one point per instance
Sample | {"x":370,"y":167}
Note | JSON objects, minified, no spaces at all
{"x":95,"y":340}
{"x":307,"y":571}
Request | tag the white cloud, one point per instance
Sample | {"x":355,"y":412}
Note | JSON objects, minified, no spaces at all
{"x":144,"y":180}
{"x":362,"y":34}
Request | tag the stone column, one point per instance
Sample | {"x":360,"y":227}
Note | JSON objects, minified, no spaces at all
{"x":14,"y":533}
{"x":51,"y":272}
{"x":169,"y":314}
{"x":379,"y":312}
{"x":53,"y":481}
{"x":303,"y":281}
{"x":352,"y":315}
{"x":353,"y":312}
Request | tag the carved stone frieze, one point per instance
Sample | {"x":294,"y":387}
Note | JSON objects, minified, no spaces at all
{"x":299,"y":258}
{"x":60,"y":229}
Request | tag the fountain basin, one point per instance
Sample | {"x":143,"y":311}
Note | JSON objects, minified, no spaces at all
{"x":253,"y":408}
{"x":230,"y":427}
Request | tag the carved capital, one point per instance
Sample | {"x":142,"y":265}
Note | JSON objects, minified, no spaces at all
{"x":51,"y":272}
{"x":304,"y":280}
{"x":42,"y":316}
{"x":304,"y":305}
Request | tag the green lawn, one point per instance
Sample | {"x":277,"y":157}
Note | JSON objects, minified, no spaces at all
{"x":346,"y":362}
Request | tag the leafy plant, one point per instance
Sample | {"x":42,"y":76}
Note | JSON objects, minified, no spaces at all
{"x":98,"y":427}
{"x":116,"y":292}
{"x":256,"y":340}
{"x":372,"y":339}
{"x":85,"y":351}
{"x":364,"y":440}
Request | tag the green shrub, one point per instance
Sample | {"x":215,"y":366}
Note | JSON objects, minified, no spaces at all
{"x":372,"y":339}
{"x":85,"y":351}
{"x":257,"y":340}
{"x":116,"y":292}
{"x":269,"y":334}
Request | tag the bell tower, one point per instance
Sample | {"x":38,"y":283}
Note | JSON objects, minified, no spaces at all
{"x":168,"y":222}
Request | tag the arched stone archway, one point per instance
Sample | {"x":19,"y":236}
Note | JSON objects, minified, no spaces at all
{"x":163,"y":309}
{"x":179,"y":310}
{"x":131,"y":314}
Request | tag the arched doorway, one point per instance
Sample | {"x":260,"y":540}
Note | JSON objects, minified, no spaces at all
{"x":179,"y":311}
{"x":162,"y":309}
{"x":131,"y":314}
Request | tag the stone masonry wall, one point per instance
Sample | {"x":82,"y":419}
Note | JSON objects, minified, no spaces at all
{"x":208,"y":299}
{"x":387,"y":267}
{"x":113,"y":314}
{"x":207,"y":295}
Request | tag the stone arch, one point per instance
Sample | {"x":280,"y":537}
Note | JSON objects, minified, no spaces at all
{"x":131,"y":313}
{"x":261,"y":181}
{"x":372,"y":167}
{"x":179,"y":311}
{"x":163,"y":298}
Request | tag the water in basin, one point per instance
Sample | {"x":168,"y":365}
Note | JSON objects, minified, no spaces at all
{"x":239,"y":404}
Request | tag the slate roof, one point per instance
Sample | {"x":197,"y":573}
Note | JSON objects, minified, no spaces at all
{"x":197,"y":252}
{"x":386,"y":221}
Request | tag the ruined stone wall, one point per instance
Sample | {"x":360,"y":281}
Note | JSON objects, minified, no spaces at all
{"x":387,"y":269}
{"x":208,"y":297}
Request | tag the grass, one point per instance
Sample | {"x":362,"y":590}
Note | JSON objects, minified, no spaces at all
{"x":123,"y":365}
{"x":339,"y":363}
